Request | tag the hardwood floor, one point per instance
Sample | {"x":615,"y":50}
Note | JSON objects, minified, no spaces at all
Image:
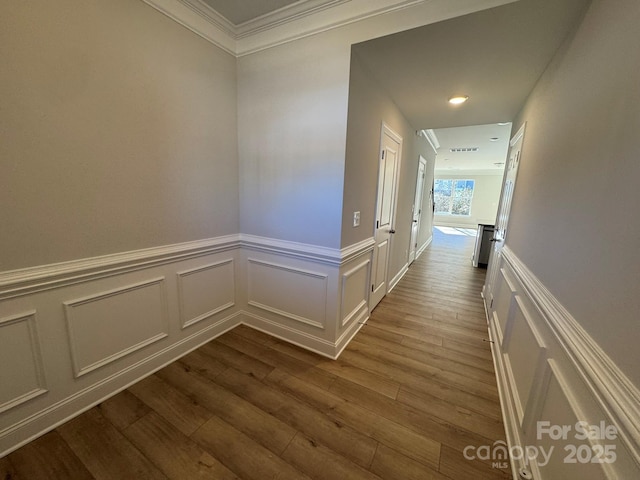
{"x":413,"y":389}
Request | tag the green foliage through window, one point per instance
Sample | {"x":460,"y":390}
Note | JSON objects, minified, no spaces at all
{"x":453,"y":197}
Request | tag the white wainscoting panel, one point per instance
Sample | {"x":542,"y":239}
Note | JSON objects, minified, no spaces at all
{"x":295,"y":293}
{"x":355,"y":293}
{"x":206,"y":291}
{"x":21,"y":368}
{"x":550,"y":370}
{"x":109,"y":325}
{"x":110,"y":321}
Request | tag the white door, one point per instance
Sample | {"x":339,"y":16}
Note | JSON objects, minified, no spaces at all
{"x":390,"y":146}
{"x":417,"y":209}
{"x":502,"y":220}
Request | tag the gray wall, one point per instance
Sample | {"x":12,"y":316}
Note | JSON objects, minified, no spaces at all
{"x":574,"y":220}
{"x":369,"y":106}
{"x":118,"y":132}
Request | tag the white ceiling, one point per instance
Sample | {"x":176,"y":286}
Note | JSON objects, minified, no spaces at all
{"x":484,"y":160}
{"x":241,"y":11}
{"x":495,"y":56}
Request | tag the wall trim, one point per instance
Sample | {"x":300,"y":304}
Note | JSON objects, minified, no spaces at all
{"x":80,"y":370}
{"x":283,"y":332}
{"x":287,"y":24}
{"x":69,"y":407}
{"x":395,"y":280}
{"x":613,"y":390}
{"x":15,"y":283}
{"x":424,"y":246}
{"x":36,"y":356}
{"x":187,"y":322}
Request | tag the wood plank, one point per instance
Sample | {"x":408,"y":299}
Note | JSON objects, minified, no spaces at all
{"x":233,"y":358}
{"x":249,"y":460}
{"x":173,"y":452}
{"x":182,"y":411}
{"x":381,"y":429}
{"x":7,"y":470}
{"x":454,"y":465}
{"x":276,"y":359}
{"x":321,"y":463}
{"x":391,"y":464}
{"x":263,"y":428}
{"x":45,"y":458}
{"x":422,"y":370}
{"x":342,"y":369}
{"x":322,"y":429}
{"x":417,"y":420}
{"x":105,"y":452}
{"x":461,"y":417}
{"x":123,"y":409}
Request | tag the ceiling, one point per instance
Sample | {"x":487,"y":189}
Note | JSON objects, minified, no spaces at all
{"x":492,"y":142}
{"x":494,"y":56}
{"x":238,"y":12}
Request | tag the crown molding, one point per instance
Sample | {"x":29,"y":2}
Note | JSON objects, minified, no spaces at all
{"x":299,"y":20}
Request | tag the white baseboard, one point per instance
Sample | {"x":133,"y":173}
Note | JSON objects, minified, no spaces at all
{"x":424,"y":246}
{"x":395,"y":280}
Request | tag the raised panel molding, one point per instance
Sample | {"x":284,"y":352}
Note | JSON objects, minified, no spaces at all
{"x":113,"y":320}
{"x":550,"y":369}
{"x":206,"y":291}
{"x":21,"y":367}
{"x":355,"y":292}
{"x":287,"y":291}
{"x":105,"y":327}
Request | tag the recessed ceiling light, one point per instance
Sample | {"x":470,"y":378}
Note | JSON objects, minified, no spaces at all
{"x":458,"y":99}
{"x":502,"y":124}
{"x":494,"y":139}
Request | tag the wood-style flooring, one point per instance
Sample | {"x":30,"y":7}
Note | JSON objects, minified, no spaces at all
{"x":409,"y":393}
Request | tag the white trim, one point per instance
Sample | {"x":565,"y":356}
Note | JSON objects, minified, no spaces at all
{"x":80,"y":370}
{"x":395,"y":280}
{"x":287,"y":24}
{"x":432,"y":138}
{"x":613,"y":390}
{"x":184,"y":322}
{"x":16,"y":283}
{"x":75,"y":404}
{"x":304,"y":340}
{"x":424,"y":247}
{"x":36,"y":356}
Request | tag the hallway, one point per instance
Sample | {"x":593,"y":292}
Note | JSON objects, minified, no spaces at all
{"x":411,"y":391}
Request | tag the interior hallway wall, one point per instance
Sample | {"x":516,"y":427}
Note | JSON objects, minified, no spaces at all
{"x":573,"y":222}
{"x":292,"y":122}
{"x":369,"y":107}
{"x":118,"y":132}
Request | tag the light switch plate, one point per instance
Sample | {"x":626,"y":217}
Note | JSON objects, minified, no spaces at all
{"x":356,"y":219}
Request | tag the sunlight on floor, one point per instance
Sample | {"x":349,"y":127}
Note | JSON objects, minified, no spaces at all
{"x":467,"y":232}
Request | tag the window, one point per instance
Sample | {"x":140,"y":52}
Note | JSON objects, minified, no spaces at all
{"x":453,"y":197}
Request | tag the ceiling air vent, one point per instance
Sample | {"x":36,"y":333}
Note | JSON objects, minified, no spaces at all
{"x":464,"y":149}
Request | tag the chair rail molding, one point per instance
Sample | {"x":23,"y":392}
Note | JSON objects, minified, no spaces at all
{"x":549,"y":367}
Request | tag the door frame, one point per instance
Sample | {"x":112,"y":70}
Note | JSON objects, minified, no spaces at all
{"x":500,"y":234}
{"x":385,"y":129}
{"x":417,"y":204}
